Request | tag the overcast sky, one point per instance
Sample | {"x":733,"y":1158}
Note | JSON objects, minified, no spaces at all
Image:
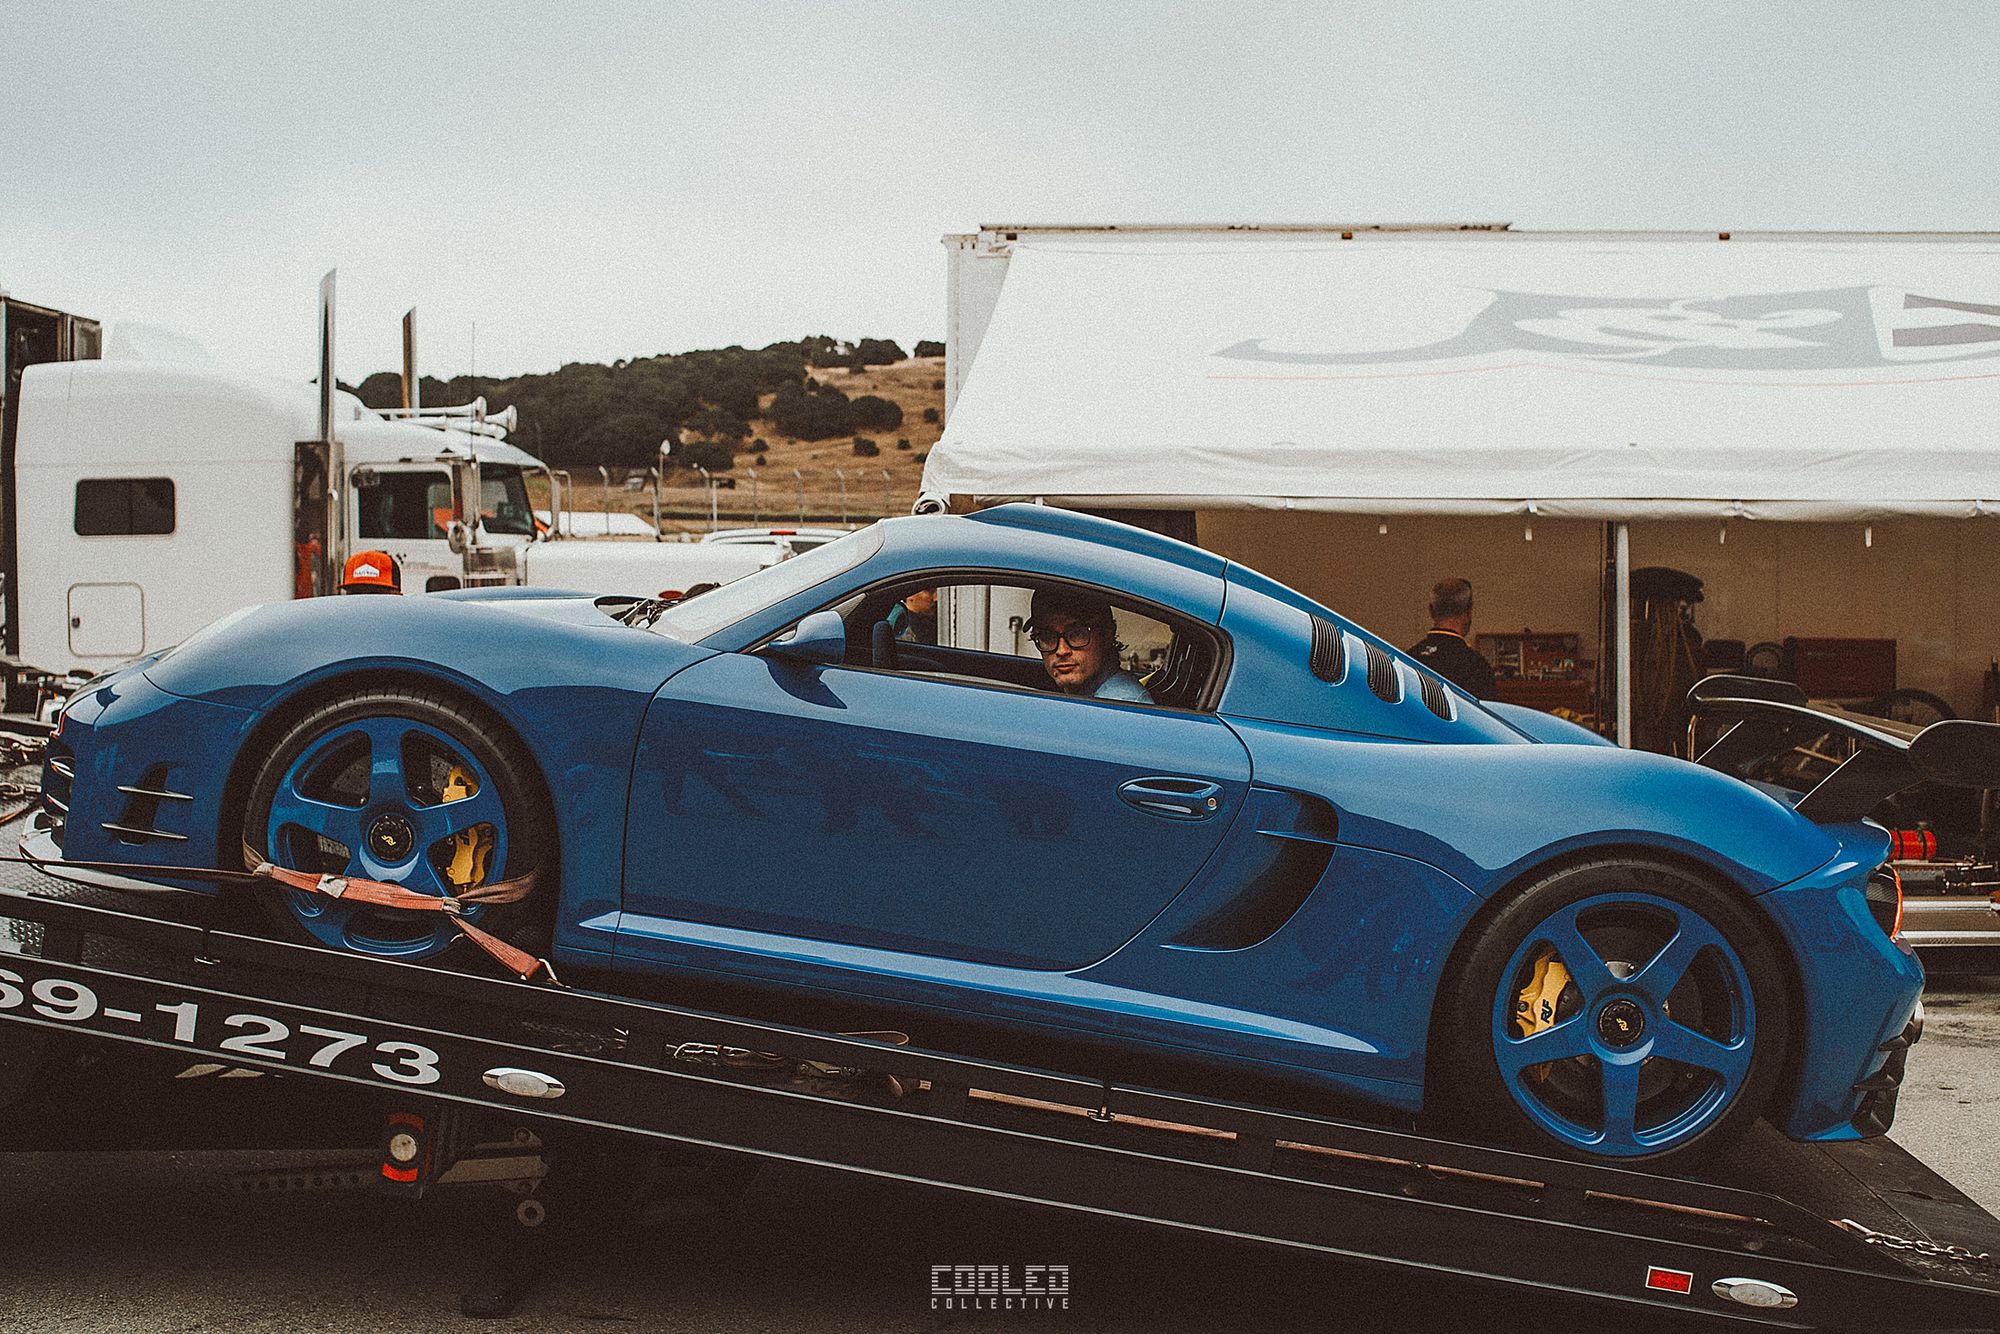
{"x":605,"y":180}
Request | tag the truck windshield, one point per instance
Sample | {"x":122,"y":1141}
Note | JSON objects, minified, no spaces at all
{"x":699,"y":617}
{"x":503,"y":500}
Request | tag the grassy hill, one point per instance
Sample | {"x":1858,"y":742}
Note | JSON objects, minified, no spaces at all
{"x":765,"y":488}
{"x":585,"y":417}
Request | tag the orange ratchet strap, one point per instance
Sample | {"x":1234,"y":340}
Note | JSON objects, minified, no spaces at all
{"x":380,"y":894}
{"x":353,"y":889}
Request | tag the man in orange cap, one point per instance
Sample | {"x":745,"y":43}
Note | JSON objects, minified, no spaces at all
{"x":371,"y":572}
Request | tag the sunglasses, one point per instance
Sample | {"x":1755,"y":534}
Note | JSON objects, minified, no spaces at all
{"x":1077,"y":637}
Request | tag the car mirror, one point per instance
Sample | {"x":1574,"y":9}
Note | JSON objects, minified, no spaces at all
{"x":820,"y":639}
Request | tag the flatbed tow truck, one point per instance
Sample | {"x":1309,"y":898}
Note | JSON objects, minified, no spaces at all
{"x":518,"y":1084}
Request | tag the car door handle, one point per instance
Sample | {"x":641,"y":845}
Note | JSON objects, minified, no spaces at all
{"x":1174,"y":798}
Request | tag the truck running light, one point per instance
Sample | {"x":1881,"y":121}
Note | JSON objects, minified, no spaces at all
{"x":1669,"y":1280}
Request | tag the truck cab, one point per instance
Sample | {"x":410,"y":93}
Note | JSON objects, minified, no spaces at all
{"x":405,"y":500}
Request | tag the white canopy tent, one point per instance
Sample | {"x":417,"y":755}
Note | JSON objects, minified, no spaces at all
{"x":1622,"y":377}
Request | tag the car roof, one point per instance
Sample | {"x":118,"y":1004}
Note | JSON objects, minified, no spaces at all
{"x":1061,"y":544}
{"x":1104,"y":532}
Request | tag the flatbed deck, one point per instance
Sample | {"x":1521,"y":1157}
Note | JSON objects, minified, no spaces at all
{"x":1764,"y":1226}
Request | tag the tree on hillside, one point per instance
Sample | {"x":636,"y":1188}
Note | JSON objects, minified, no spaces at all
{"x":872,"y":412}
{"x":877,"y":352}
{"x":623,"y":440}
{"x":714,"y":455}
{"x":384,"y":389}
{"x":812,"y":412}
{"x":718,"y":424}
{"x":929,"y":348}
{"x":823,"y":351}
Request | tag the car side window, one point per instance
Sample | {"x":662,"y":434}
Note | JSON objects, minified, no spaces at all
{"x":985,"y":632}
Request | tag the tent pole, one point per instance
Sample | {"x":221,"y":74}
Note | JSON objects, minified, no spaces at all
{"x":1621,"y":545}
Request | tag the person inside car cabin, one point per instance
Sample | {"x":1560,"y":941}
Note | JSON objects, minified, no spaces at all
{"x":914,"y":619}
{"x":1078,"y":640}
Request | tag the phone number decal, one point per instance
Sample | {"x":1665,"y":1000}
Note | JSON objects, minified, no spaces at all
{"x":248,"y":1034}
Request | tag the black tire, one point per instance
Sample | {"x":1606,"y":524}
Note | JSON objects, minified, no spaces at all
{"x":434,"y":718}
{"x":1618,"y":907}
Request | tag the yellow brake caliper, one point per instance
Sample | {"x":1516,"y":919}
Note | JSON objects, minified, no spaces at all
{"x":1535,"y":1006}
{"x":472,"y":848}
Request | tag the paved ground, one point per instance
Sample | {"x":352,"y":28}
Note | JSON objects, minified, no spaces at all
{"x":1949,"y":1114}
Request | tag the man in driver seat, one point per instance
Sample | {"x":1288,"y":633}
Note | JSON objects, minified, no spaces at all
{"x":1078,"y":640}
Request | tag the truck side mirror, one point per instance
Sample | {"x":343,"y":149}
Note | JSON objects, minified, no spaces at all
{"x":457,"y":537}
{"x":465,"y":495}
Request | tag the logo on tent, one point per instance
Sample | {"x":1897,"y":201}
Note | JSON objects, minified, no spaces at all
{"x":1847,"y":328}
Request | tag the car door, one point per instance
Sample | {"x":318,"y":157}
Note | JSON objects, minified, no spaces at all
{"x":881,"y":810}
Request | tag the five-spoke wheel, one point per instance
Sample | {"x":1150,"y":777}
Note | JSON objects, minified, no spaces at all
{"x":399,"y":786}
{"x":1615,"y":1010}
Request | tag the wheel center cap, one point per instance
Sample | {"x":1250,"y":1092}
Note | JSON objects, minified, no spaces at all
{"x":390,"y":838}
{"x":1621,"y":1023}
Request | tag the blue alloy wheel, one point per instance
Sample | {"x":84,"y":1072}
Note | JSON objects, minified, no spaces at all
{"x":1629,"y":1016}
{"x":402,"y":787}
{"x":1628,"y":1024}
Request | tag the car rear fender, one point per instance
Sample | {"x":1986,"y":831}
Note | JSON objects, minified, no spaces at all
{"x":1487,"y":814}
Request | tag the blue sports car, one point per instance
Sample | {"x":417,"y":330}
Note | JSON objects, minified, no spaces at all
{"x":1050,"y":782}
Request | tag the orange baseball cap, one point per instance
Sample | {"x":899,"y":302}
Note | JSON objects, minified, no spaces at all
{"x":371,"y":572}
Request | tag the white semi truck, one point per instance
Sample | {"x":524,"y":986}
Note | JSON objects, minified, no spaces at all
{"x":153,"y":498}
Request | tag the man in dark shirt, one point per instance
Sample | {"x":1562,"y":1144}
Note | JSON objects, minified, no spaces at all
{"x":914,"y":619}
{"x":1445,"y":650}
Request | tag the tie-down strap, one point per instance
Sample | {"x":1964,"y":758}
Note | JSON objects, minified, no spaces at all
{"x":350,"y":889}
{"x":380,"y":894}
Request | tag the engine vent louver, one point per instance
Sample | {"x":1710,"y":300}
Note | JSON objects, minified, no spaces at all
{"x":1436,"y":698}
{"x":1382,"y":675}
{"x":1329,"y":650}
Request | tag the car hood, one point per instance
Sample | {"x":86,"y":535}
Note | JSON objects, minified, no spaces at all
{"x":513,"y":642}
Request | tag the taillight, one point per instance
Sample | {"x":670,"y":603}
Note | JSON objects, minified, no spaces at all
{"x":1885,"y":900}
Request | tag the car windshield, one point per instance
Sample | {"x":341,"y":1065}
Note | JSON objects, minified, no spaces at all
{"x":699,"y":617}
{"x":503,"y":500}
